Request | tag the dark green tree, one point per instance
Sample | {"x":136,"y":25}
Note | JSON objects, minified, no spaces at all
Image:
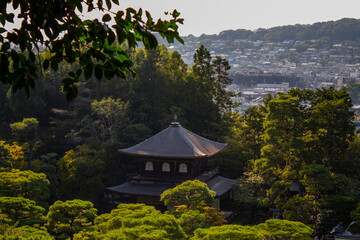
{"x":221,"y":77}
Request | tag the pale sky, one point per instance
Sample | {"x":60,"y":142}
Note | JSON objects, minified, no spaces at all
{"x":214,"y":16}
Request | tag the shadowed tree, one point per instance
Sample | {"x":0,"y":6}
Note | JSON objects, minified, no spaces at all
{"x":26,"y":131}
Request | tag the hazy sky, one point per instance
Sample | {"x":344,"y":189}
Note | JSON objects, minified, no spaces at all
{"x":214,"y":16}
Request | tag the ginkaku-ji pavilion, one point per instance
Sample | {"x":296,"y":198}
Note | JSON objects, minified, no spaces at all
{"x":167,"y":159}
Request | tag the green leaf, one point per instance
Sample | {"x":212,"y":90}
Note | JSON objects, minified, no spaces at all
{"x":108,"y":4}
{"x":46,"y":64}
{"x":88,"y":71}
{"x":175,"y":14}
{"x":32,"y":56}
{"x":90,"y":7}
{"x":150,"y":19}
{"x":2,"y":19}
{"x":111,"y":37}
{"x":4,"y":60}
{"x":15,"y":4}
{"x":106,"y":17}
{"x":79,"y":7}
{"x":98,"y":72}
{"x":180,"y":39}
{"x":10,"y":17}
{"x":71,"y":93}
{"x":5,"y":46}
{"x":78,"y":72}
{"x":116,"y":2}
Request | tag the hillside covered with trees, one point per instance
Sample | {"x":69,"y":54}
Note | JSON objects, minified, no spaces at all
{"x":343,"y":29}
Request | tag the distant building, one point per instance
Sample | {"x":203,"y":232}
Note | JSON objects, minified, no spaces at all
{"x":166,"y":160}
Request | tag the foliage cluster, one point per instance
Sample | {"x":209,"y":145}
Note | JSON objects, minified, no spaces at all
{"x":77,"y":219}
{"x":300,"y":160}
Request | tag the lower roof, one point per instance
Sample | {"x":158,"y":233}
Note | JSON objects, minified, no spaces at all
{"x":144,"y":189}
{"x":220,"y":185}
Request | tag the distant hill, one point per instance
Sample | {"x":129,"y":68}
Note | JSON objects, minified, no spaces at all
{"x":344,"y":29}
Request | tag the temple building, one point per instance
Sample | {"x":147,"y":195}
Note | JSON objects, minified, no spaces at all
{"x":167,"y":159}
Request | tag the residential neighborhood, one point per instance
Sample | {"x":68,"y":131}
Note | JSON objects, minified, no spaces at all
{"x":262,"y":67}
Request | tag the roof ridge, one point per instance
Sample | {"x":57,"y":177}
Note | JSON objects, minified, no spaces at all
{"x":189,"y":143}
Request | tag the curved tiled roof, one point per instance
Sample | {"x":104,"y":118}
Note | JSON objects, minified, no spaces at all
{"x":176,"y":142}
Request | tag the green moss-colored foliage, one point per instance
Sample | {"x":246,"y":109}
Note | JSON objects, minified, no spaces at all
{"x":28,"y":184}
{"x":20,"y":211}
{"x":189,"y":200}
{"x":70,"y":217}
{"x":193,"y":194}
{"x":137,"y":233}
{"x":284,"y":229}
{"x":226,"y":232}
{"x":24,"y":232}
{"x":190,"y":220}
{"x":134,"y":221}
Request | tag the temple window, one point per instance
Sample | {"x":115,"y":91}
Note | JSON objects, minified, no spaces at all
{"x":166,"y":167}
{"x":183,"y":168}
{"x":149,"y":166}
